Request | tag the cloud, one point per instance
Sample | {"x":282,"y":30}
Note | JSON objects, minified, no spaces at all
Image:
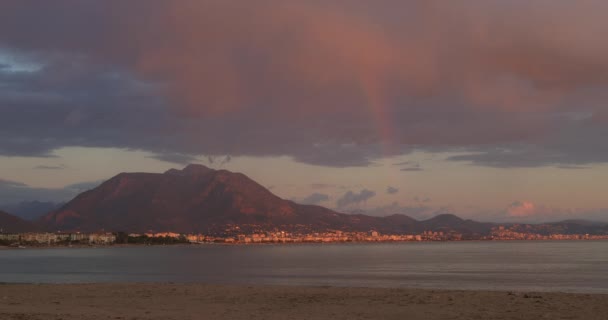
{"x":12,"y":192}
{"x":405,"y":163}
{"x":572,"y":167}
{"x":411,"y":169}
{"x":351,"y":198}
{"x":419,"y":212}
{"x":391,"y":190}
{"x":315,"y":198}
{"x":29,"y":210}
{"x":47,"y":167}
{"x":409,"y":166}
{"x":11,"y":184}
{"x":521,"y":209}
{"x":178,"y":158}
{"x":83,"y":186}
{"x":321,"y":186}
{"x":422,"y":199}
{"x":515,"y":212}
{"x":333,"y":83}
{"x":524,"y":211}
{"x":577,"y":145}
{"x":226,"y":160}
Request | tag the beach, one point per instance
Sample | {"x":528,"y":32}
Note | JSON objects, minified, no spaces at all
{"x":200,"y":301}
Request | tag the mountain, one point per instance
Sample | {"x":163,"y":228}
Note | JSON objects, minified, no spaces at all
{"x":200,"y":199}
{"x":450,"y":222}
{"x":190,"y":200}
{"x":579,"y":227}
{"x":13,"y":224}
{"x":195,"y":199}
{"x":564,"y":227}
{"x":30,"y":210}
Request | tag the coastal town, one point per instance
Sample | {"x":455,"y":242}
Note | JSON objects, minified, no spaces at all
{"x":277,"y":237}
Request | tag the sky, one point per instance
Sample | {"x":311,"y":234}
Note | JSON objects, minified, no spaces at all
{"x":491,"y":110}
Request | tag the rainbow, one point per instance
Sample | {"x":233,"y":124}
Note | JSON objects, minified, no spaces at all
{"x":378,"y":109}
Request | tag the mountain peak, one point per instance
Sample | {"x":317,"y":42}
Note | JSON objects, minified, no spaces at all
{"x":196,"y":169}
{"x":195,"y":166}
{"x":191,"y":169}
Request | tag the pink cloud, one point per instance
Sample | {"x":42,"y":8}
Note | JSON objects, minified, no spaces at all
{"x":521,"y":209}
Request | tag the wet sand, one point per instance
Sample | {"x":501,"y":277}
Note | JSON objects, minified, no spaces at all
{"x":197,"y":301}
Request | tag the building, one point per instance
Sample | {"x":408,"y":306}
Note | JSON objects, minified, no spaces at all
{"x":9,"y":237}
{"x":80,"y":237}
{"x":102,"y":238}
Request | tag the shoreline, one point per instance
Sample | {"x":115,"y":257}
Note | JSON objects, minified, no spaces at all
{"x":510,"y":291}
{"x":132,"y":245}
{"x":205,"y":301}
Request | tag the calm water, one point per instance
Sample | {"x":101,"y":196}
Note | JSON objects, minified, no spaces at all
{"x":574,"y":266}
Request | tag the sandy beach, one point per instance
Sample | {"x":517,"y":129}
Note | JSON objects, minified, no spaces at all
{"x":197,"y":301}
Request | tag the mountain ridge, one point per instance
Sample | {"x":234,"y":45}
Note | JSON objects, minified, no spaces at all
{"x":198,"y":199}
{"x":218,"y":196}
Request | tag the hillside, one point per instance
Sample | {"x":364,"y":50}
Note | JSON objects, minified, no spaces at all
{"x":13,"y":224}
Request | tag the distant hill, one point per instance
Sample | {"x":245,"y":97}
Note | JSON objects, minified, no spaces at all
{"x":450,"y":222}
{"x":564,"y":227}
{"x":13,"y":224}
{"x":30,"y":210}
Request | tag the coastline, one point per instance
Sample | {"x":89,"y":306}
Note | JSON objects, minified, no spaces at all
{"x":202,"y":301}
{"x":139,"y":245}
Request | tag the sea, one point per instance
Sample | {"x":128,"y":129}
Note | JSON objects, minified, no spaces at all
{"x":565,"y":266}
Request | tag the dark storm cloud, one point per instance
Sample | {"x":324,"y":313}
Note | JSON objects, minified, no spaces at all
{"x":315,"y":198}
{"x":71,"y":103}
{"x":334,"y":83}
{"x":351,"y":198}
{"x":575,"y":145}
